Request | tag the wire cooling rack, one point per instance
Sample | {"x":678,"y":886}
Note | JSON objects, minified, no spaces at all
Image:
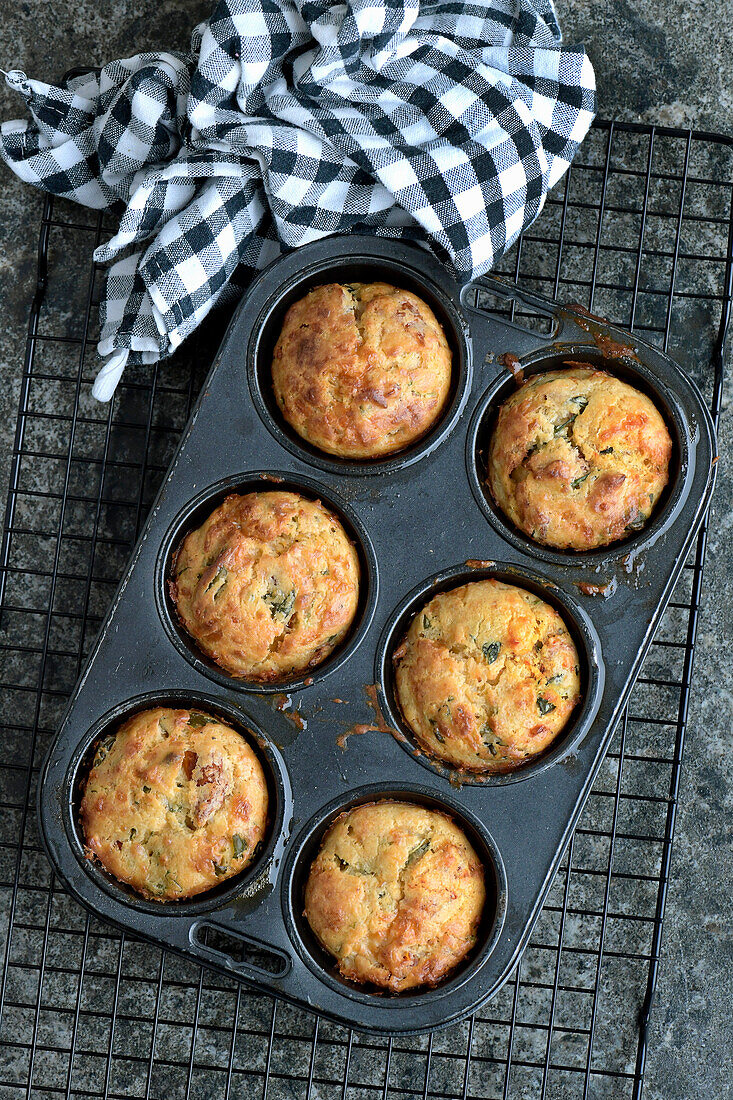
{"x":640,"y":231}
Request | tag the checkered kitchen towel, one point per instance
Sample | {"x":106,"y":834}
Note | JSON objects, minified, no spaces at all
{"x":441,"y":120}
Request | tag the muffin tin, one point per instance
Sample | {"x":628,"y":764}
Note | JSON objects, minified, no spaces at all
{"x":422,"y":520}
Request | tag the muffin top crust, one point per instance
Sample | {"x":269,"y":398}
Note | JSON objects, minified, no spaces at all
{"x":487,"y":676}
{"x":175,"y":802}
{"x":361,"y":370}
{"x":268,"y":585}
{"x":578,"y":458}
{"x":396,"y":895}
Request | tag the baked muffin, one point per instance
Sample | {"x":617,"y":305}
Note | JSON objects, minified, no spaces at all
{"x":578,"y":458}
{"x":361,"y":370}
{"x":396,"y":895}
{"x":175,"y":803}
{"x":268,"y":585}
{"x":487,"y":676}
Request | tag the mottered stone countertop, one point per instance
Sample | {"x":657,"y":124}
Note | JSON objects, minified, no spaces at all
{"x":657,"y":61}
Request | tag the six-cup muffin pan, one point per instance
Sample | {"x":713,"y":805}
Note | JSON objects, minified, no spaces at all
{"x":422,"y":521}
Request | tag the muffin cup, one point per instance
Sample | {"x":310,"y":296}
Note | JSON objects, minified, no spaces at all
{"x":628,"y":370}
{"x":584,"y":635}
{"x":194,"y":514}
{"x":250,"y":882}
{"x":295,"y":285}
{"x":304,"y":850}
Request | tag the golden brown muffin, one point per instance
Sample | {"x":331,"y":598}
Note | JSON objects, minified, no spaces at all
{"x":487,"y":676}
{"x":578,"y":458}
{"x":268,"y":585}
{"x":396,"y":895}
{"x":175,"y":803}
{"x":361,"y":370}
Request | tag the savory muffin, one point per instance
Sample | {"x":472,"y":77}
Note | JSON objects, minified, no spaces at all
{"x":396,"y":895}
{"x":268,"y":585}
{"x":361,"y":370}
{"x":487,"y":676}
{"x":175,"y":803}
{"x":578,"y":458}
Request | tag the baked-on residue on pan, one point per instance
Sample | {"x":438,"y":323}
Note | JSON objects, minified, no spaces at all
{"x":396,"y":895}
{"x":268,"y":585}
{"x":578,"y":458}
{"x":487,"y":676}
{"x":361,"y":370}
{"x":175,"y":802}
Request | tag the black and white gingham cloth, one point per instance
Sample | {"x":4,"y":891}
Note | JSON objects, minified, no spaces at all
{"x":442,"y":120}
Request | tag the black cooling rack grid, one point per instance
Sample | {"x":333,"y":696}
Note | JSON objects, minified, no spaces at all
{"x":640,"y":231}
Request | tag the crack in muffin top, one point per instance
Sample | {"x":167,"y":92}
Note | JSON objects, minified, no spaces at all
{"x":487,"y":676}
{"x":268,"y":585}
{"x":174,"y":803}
{"x":396,"y":895}
{"x":361,"y":370}
{"x":578,"y":458}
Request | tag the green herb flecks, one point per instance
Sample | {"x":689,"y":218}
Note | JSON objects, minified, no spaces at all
{"x":606,"y":451}
{"x":418,"y":852}
{"x":426,"y":623}
{"x":544,"y":706}
{"x":280,"y":601}
{"x":490,"y":739}
{"x":239,"y":845}
{"x":491,"y":651}
{"x":220,"y":575}
{"x":636,"y":524}
{"x":196,"y":720}
{"x":104,"y":748}
{"x":567,"y":423}
{"x":220,"y":869}
{"x":436,"y":732}
{"x":579,"y":480}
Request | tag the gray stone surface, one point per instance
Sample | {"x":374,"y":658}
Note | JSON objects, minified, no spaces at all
{"x":656,"y":61}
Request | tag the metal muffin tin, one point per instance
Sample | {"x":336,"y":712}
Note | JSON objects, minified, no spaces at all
{"x":421,"y":520}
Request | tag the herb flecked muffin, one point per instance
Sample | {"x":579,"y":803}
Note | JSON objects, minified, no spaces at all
{"x":175,"y":802}
{"x":361,"y":370}
{"x":268,"y":585}
{"x":578,"y":459}
{"x":396,"y":895}
{"x":487,"y":676}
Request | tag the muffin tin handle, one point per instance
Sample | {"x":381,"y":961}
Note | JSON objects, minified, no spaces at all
{"x":543,"y":323}
{"x":568,"y":324}
{"x":246,"y":955}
